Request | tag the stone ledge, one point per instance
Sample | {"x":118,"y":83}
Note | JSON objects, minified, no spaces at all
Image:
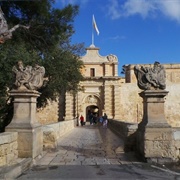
{"x":8,"y":137}
{"x":52,"y":132}
{"x":12,"y":172}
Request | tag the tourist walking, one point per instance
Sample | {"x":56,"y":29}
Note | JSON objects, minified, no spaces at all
{"x":91,"y":118}
{"x":101,"y":120}
{"x":95,"y":119}
{"x":105,"y":120}
{"x":82,"y":120}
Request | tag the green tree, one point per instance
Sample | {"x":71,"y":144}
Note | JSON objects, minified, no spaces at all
{"x":47,"y":42}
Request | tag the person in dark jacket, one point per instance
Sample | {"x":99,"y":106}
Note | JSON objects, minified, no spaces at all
{"x":105,"y":120}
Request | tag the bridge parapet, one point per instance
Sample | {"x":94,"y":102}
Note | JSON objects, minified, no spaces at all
{"x":52,"y":132}
{"x":127,"y":131}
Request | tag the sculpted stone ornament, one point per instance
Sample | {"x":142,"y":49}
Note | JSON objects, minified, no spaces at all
{"x":151,"y":78}
{"x":6,"y":33}
{"x":28,"y":77}
{"x":112,"y":58}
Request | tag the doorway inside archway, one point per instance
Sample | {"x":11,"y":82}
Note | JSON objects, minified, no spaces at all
{"x":92,"y":109}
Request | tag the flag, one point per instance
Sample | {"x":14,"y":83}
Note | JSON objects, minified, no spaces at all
{"x":95,"y":25}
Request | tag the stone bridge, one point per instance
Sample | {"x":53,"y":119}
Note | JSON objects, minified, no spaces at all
{"x":86,"y":152}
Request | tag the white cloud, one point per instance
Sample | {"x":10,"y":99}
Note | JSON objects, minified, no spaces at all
{"x":170,"y":8}
{"x":117,"y":37}
{"x":114,"y":9}
{"x":145,"y":8}
{"x":141,"y":7}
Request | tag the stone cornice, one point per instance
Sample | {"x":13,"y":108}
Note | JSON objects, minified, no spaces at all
{"x":103,"y":78}
{"x":166,"y":66}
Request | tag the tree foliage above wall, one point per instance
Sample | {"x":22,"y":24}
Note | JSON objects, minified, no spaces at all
{"x":47,"y":42}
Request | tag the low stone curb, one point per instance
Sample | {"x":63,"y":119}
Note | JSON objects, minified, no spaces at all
{"x":13,"y":171}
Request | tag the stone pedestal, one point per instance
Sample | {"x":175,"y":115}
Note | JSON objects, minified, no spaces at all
{"x":153,"y":108}
{"x":158,"y":145}
{"x":30,"y":136}
{"x":154,"y":136}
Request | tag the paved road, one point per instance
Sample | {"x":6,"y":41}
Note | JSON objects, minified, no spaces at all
{"x":91,"y":152}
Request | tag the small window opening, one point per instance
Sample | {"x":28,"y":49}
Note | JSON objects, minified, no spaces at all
{"x":92,"y":72}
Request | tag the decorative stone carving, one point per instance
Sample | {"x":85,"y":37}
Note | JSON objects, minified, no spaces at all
{"x":27,"y":81}
{"x":112,"y":58}
{"x":6,"y":33}
{"x":151,"y":78}
{"x":28,"y":77}
{"x":91,"y":99}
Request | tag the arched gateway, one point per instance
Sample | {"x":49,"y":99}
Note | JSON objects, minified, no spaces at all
{"x":101,"y":87}
{"x":92,"y":104}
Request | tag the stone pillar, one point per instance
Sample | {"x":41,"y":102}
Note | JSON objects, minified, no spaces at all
{"x":107,"y":100}
{"x":78,"y":109}
{"x":106,"y":69}
{"x":154,"y":138}
{"x":116,"y":102}
{"x":30,"y":136}
{"x":115,"y":70}
{"x":69,"y":106}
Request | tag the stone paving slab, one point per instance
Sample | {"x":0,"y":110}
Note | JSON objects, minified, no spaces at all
{"x":90,"y":152}
{"x":86,"y":146}
{"x":97,"y":172}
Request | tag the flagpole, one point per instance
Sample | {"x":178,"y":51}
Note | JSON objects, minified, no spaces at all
{"x":92,"y":33}
{"x":92,"y":38}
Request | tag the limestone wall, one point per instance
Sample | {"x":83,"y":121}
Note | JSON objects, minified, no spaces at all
{"x":130,"y":108}
{"x":131,"y":104}
{"x":172,"y":104}
{"x":52,"y":132}
{"x":49,"y":114}
{"x":176,"y":143}
{"x":8,"y":148}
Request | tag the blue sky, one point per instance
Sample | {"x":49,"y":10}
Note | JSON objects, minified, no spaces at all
{"x":136,"y":31}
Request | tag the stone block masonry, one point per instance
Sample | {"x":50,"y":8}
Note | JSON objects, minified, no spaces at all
{"x":8,"y":148}
{"x":52,"y":132}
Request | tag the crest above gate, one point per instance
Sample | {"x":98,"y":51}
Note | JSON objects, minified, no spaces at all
{"x":91,"y":99}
